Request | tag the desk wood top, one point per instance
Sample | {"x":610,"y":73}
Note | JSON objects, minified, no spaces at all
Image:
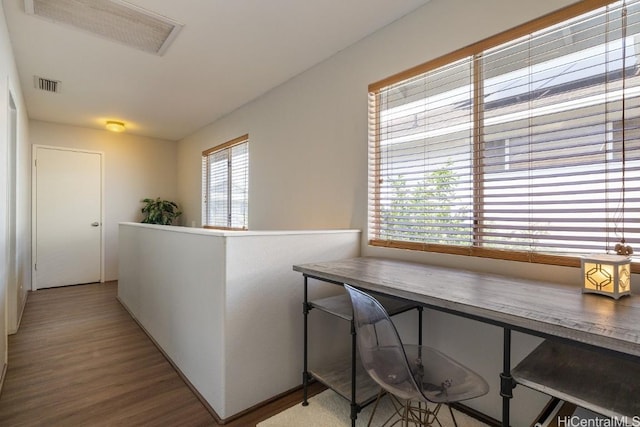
{"x":546,"y":308}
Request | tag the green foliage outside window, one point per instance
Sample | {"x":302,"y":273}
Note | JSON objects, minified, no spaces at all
{"x":428,"y":207}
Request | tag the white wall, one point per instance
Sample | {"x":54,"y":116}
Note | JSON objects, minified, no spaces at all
{"x":263,"y":312}
{"x":226,"y":306}
{"x":308,"y":158}
{"x":174,"y":285}
{"x":308,"y":137}
{"x":15,"y":263}
{"x":135,"y":168}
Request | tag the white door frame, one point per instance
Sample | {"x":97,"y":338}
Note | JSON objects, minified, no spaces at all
{"x":34,"y":234}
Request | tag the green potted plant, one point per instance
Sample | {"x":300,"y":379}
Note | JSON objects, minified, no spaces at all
{"x":158,"y":211}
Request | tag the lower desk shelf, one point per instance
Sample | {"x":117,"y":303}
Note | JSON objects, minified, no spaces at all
{"x":561,"y":414}
{"x":340,"y":305}
{"x":337,"y":376}
{"x":603,"y":383}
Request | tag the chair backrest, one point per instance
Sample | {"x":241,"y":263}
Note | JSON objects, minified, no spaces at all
{"x":380,"y":347}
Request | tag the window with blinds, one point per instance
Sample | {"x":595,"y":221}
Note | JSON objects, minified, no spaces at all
{"x":524,"y":147}
{"x":225,"y":184}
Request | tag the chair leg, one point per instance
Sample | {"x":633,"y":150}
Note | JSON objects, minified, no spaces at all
{"x":375,"y":406}
{"x":399,"y":410}
{"x":453,"y":418}
{"x":407,"y":414}
{"x":416,"y":414}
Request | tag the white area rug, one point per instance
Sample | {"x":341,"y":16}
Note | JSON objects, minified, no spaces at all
{"x":327,"y":409}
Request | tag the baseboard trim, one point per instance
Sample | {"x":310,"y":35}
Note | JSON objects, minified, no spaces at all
{"x":216,"y":417}
{"x":184,"y":378}
{"x":222,"y":421}
{"x":20,"y":313}
{"x":476,"y":414}
{"x":24,"y":304}
{"x":2,"y":377}
{"x":262,"y":404}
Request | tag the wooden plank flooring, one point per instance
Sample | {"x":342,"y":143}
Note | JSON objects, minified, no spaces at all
{"x":79,"y":359}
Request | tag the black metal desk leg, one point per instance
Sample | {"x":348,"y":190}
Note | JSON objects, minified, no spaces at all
{"x":354,"y":404}
{"x":506,"y":381}
{"x":420,"y":325}
{"x":305,"y":372}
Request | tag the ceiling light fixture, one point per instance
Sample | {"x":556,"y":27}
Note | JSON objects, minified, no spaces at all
{"x":114,"y":126}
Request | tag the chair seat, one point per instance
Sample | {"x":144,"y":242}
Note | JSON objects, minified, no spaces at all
{"x":411,"y":372}
{"x":441,"y":378}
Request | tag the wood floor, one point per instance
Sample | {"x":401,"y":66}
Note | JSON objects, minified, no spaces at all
{"x":79,"y":359}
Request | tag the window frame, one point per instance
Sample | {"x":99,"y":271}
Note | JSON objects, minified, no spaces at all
{"x":474,"y":51}
{"x":227,"y":146}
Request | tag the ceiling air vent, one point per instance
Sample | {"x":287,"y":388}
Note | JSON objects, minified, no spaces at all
{"x":115,"y":20}
{"x":47,"y":84}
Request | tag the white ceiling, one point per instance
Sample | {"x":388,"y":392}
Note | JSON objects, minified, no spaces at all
{"x":228,"y":53}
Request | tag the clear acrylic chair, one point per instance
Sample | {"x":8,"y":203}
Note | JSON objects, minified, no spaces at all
{"x":419,"y":378}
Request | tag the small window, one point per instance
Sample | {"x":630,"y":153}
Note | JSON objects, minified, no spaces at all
{"x":225,"y":185}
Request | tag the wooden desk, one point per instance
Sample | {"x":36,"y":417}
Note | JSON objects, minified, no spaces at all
{"x":544,"y":309}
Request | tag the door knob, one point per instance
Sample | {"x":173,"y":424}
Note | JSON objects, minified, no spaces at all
{"x":95,"y":224}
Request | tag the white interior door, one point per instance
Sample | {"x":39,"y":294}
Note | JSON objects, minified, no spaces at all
{"x":68,"y":217}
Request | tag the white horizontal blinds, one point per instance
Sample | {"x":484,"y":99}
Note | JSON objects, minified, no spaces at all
{"x":239,"y":194}
{"x":226,"y":184}
{"x":626,"y":137}
{"x":526,"y":148}
{"x":218,"y":206}
{"x":421,"y":145}
{"x":551,"y":141}
{"x":204,"y":188}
